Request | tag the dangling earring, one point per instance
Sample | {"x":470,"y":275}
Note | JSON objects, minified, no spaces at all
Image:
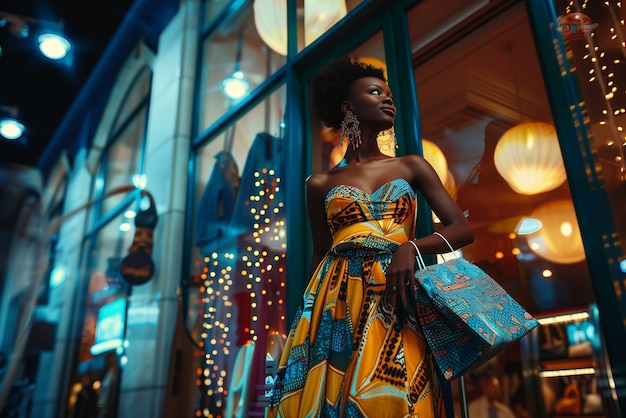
{"x":386,"y":138}
{"x":350,"y":129}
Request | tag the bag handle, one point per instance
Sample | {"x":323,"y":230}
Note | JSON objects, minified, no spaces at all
{"x":420,"y":260}
{"x":418,"y":255}
{"x":445,"y":239}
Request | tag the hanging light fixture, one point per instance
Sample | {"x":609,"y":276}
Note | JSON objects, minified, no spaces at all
{"x":10,"y":126}
{"x":436,"y":158}
{"x":270,"y":19}
{"x":53,"y":46}
{"x":559,"y":239}
{"x":528,"y":157}
{"x":235,"y":86}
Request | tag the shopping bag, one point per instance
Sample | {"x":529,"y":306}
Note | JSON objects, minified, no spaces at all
{"x":465,"y":315}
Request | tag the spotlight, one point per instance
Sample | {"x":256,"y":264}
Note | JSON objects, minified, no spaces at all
{"x":53,"y":46}
{"x":235,"y":86}
{"x":11,"y":128}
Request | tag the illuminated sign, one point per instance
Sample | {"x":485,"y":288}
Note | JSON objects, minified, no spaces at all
{"x":110,"y":327}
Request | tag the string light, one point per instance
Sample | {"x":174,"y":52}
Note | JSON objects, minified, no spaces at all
{"x":604,"y":67}
{"x":260,"y":269}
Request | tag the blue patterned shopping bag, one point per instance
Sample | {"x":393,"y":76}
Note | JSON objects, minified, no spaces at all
{"x":466,"y":316}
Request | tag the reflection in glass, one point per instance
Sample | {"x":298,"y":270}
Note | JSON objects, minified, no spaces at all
{"x":270,"y":19}
{"x":479,"y":103}
{"x":103,"y":297}
{"x":234,"y":58}
{"x":594,"y":34}
{"x":237,"y":289}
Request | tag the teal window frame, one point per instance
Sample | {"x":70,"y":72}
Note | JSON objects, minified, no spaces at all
{"x":591,"y":201}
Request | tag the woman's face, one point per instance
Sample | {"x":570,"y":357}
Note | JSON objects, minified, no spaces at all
{"x":372,"y":102}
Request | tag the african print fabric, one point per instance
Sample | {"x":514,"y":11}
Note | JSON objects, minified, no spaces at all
{"x":347,"y":355}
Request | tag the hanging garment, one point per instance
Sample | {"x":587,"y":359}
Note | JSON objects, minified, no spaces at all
{"x":218,"y":200}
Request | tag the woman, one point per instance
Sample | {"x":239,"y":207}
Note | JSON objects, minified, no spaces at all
{"x":354,"y":350}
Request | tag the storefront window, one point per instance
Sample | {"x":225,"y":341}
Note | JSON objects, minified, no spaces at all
{"x":100,"y":355}
{"x":237,"y":288}
{"x":235,"y":61}
{"x":488,"y":131}
{"x":121,"y":163}
{"x":246,"y":49}
{"x":103,"y":293}
{"x":593,"y":34}
{"x":482,"y":103}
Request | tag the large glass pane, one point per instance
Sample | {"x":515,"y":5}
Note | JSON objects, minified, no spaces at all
{"x":487,"y":129}
{"x":235,"y":61}
{"x":314,"y":18}
{"x":102,"y":296}
{"x":595,"y":37}
{"x":479,"y":101}
{"x":212,"y":8}
{"x":136,"y":96}
{"x":101,"y":350}
{"x":251,"y":45}
{"x":237,"y":286}
{"x":123,"y":159}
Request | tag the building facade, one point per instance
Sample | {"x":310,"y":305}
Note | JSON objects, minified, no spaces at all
{"x":519,"y":107}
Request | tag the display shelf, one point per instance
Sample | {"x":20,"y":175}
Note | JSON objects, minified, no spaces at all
{"x":568,"y":363}
{"x":563,"y":360}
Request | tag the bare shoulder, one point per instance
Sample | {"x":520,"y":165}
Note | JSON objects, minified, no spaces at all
{"x":413,"y":161}
{"x":317,"y":184}
{"x":415,"y":164}
{"x":317,"y":181}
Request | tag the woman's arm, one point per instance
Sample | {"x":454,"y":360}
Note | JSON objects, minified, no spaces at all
{"x":456,"y":229}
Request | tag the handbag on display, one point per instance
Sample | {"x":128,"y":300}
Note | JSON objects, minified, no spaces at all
{"x":570,"y":402}
{"x":465,"y":315}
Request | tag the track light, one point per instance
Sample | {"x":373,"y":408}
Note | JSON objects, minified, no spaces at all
{"x":235,"y":86}
{"x":53,"y":46}
{"x":11,"y":128}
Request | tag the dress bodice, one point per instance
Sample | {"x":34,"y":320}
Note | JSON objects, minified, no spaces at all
{"x":385,"y":216}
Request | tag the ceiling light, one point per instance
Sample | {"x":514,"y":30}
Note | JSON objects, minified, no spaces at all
{"x":270,"y":19}
{"x":53,"y":46}
{"x":436,"y":158}
{"x":559,"y":240}
{"x":11,"y":128}
{"x":528,"y":226}
{"x":235,"y":86}
{"x":528,"y":157}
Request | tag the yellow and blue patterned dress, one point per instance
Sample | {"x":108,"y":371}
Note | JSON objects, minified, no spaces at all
{"x":346,"y":354}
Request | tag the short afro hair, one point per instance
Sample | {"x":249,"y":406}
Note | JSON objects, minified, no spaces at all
{"x":330,"y":86}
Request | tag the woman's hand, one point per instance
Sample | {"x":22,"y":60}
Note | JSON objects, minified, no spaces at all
{"x":400,"y":289}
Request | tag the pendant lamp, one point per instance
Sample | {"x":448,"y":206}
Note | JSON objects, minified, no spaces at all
{"x":528,"y":157}
{"x":559,"y":239}
{"x":436,"y":158}
{"x":270,"y":19}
